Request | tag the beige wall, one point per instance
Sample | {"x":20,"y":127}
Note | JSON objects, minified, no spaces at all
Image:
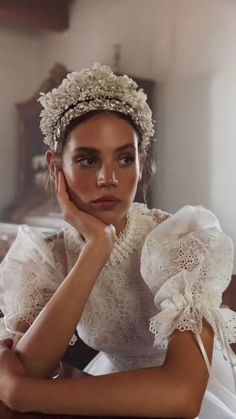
{"x":188,"y":47}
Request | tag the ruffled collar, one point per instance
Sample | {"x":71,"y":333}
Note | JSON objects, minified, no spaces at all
{"x":139,"y":221}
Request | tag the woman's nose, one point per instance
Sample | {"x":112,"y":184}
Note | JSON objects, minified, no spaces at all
{"x":107,"y":177}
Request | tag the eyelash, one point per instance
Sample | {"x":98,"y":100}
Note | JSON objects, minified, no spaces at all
{"x":81,"y":161}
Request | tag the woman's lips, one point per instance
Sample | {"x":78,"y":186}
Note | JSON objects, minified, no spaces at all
{"x":106,"y":204}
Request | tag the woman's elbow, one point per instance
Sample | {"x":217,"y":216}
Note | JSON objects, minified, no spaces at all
{"x":190,"y":410}
{"x":190,"y":403}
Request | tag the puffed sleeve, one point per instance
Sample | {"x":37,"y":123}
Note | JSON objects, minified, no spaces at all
{"x":29,"y":275}
{"x":187,"y":263}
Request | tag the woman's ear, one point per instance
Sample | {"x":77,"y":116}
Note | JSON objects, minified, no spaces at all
{"x":49,"y":156}
{"x":50,"y":159}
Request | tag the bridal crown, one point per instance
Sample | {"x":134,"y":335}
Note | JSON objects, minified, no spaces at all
{"x":95,"y":88}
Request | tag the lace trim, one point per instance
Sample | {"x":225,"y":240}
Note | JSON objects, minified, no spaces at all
{"x":138,"y":217}
{"x":129,"y":239}
{"x":72,"y":239}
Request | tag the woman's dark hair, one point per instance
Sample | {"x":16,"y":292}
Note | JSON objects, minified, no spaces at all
{"x":149,"y":169}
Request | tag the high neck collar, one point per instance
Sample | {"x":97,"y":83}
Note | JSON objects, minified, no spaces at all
{"x":138,"y":218}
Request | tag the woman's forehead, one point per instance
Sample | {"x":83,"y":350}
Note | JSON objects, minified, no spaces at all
{"x":104,"y":130}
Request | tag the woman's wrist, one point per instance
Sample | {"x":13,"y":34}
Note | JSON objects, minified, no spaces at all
{"x":90,"y":262}
{"x":100,"y":248}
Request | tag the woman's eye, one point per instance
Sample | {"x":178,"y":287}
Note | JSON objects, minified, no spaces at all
{"x":126,"y":160}
{"x":86,"y":161}
{"x":92,"y":161}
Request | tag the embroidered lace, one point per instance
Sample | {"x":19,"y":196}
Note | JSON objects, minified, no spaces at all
{"x":171,"y":270}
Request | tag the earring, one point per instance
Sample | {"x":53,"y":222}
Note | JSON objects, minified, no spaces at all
{"x":140,"y":176}
{"x":53,"y":172}
{"x":51,"y":175}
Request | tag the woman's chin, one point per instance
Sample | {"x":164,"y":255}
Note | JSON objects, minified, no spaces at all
{"x":108,"y":217}
{"x":114,"y":215}
{"x":117,"y":218}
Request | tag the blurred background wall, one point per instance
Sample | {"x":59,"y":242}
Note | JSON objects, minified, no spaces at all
{"x":187,"y":47}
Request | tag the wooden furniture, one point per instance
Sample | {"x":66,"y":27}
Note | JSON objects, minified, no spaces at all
{"x":36,"y":14}
{"x":30,"y":141}
{"x":31,"y":196}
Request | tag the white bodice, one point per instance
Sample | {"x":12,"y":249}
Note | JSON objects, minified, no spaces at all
{"x":116,"y":317}
{"x":164,"y":272}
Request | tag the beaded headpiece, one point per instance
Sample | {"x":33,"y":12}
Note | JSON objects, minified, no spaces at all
{"x":95,"y":88}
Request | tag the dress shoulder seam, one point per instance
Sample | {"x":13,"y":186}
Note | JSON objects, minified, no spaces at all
{"x":159,"y":216}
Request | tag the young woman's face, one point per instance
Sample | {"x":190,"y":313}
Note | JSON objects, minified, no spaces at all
{"x":100,"y":160}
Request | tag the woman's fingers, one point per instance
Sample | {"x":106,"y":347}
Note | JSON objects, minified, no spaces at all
{"x":89,"y":226}
{"x":69,"y":211}
{"x":62,"y":195}
{"x":61,"y":183}
{"x":6,"y":343}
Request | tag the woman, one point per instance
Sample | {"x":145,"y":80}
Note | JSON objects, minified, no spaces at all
{"x":117,"y":272}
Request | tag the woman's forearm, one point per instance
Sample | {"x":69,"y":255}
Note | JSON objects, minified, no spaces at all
{"x":44,"y":344}
{"x":150,"y":392}
{"x":173,"y":390}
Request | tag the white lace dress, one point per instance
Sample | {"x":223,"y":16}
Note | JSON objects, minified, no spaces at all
{"x":165,"y":272}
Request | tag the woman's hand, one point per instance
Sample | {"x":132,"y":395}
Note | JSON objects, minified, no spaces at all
{"x":10,"y":367}
{"x":9,"y":361}
{"x":90,"y":227}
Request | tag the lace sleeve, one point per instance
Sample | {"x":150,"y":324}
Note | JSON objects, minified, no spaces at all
{"x":159,"y":215}
{"x":187,"y":264}
{"x":29,"y":275}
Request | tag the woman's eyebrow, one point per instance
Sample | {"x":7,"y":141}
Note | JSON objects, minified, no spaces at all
{"x":94,"y":150}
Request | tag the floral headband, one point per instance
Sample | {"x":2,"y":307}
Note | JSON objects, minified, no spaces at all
{"x":95,"y":88}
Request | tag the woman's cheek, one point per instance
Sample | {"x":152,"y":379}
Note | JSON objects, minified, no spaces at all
{"x":77,"y":187}
{"x":81,"y":188}
{"x":131,"y":181}
{"x":78,"y":181}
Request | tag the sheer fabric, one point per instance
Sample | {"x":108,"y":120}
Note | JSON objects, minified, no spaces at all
{"x":165,"y":272}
